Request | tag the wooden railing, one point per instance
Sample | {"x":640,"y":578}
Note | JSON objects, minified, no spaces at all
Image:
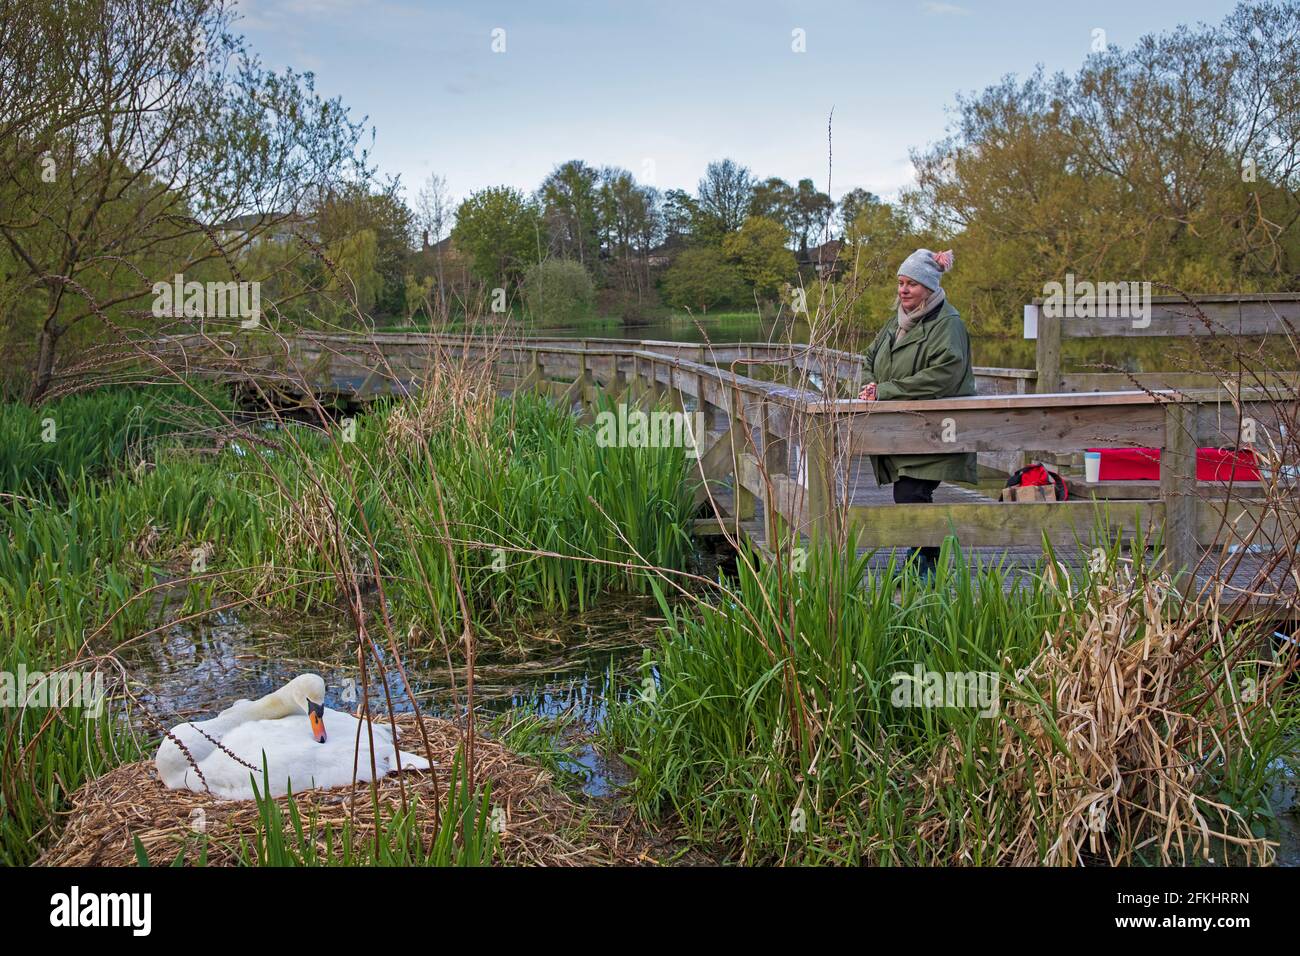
{"x":1235,"y":314}
{"x":791,"y":447}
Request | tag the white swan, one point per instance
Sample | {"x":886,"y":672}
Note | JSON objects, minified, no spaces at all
{"x":298,"y":753}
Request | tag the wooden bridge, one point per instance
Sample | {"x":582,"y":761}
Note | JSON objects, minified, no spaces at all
{"x":785,"y":454}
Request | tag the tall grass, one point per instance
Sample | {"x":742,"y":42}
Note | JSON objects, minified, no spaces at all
{"x":43,"y":450}
{"x":463,"y":837}
{"x":774,"y":731}
{"x":129,"y":516}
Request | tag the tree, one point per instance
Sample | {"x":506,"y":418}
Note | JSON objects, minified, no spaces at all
{"x":358,"y":278}
{"x":701,"y":278}
{"x":878,"y":240}
{"x":558,"y":292}
{"x":433,"y":212}
{"x":774,"y":199}
{"x":681,"y":213}
{"x":630,"y":223}
{"x":724,"y":197}
{"x":1173,"y":161}
{"x":149,"y":122}
{"x":338,"y":215}
{"x":499,"y":229}
{"x":569,"y":198}
{"x":758,"y":249}
{"x":811,"y":212}
{"x":852,"y":203}
{"x":433,"y":209}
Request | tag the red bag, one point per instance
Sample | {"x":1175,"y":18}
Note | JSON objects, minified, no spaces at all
{"x":1033,"y":475}
{"x":1129,"y":464}
{"x":1143,"y":464}
{"x":1226,"y":464}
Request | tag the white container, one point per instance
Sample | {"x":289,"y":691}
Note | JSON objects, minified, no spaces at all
{"x":1092,"y":466}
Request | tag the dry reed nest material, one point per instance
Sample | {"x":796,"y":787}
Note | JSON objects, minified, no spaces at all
{"x":543,"y":825}
{"x":460,"y":395}
{"x":1122,"y":680}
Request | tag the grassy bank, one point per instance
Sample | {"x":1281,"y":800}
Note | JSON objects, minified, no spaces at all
{"x":779,"y":728}
{"x":151,"y":504}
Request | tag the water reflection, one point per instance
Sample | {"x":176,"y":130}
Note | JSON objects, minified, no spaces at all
{"x":567,"y":669}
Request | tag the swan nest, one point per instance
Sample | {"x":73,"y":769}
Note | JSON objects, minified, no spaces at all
{"x":543,"y":825}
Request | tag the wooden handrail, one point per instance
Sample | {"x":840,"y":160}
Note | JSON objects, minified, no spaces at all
{"x":763,"y":422}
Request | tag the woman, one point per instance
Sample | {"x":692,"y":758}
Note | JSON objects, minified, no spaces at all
{"x":922,"y":352}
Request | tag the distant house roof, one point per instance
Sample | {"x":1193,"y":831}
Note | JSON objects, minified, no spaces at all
{"x":824,"y":255}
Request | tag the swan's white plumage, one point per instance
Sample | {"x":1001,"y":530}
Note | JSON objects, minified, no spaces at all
{"x":276,"y":726}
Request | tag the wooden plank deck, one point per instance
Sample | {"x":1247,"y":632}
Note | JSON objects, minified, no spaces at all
{"x":1021,"y":563}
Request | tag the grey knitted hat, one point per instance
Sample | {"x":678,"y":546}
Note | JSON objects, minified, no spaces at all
{"x":926,"y":267}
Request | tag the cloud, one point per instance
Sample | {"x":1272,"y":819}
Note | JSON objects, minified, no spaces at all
{"x":264,"y":15}
{"x":944,"y":9}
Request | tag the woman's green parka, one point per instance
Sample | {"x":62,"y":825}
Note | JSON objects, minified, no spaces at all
{"x":933,"y":360}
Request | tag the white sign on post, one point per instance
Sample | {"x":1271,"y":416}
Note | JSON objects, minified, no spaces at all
{"x":1031,"y":321}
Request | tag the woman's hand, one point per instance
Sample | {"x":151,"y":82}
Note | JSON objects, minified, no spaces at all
{"x":868,"y":393}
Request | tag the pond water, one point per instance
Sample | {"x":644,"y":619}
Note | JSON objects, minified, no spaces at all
{"x":566,"y":670}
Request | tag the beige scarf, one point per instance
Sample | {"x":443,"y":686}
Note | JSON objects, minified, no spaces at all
{"x":908,"y":319}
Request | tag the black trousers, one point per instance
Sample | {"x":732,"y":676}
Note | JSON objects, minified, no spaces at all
{"x":913,"y":491}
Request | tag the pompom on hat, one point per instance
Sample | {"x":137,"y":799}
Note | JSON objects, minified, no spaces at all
{"x":927,"y":267}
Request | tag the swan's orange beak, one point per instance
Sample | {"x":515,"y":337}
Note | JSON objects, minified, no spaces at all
{"x":316,"y":716}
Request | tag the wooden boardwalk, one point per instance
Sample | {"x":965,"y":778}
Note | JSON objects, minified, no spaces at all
{"x":1243,"y":580}
{"x":787,"y":454}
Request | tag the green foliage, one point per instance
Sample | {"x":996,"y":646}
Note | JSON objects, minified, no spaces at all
{"x":464,"y":836}
{"x":367,"y":230}
{"x":558,"y":292}
{"x":357,"y":278}
{"x":701,"y":278}
{"x":499,"y":228}
{"x":724,"y":197}
{"x":85,"y":534}
{"x":571,"y":207}
{"x":758,"y":250}
{"x":877,"y":239}
{"x":147,"y":122}
{"x":773,"y":199}
{"x":47,"y":451}
{"x":810,"y":212}
{"x":773,"y":735}
{"x":1162,"y":162}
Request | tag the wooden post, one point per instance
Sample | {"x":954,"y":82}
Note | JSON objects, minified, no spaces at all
{"x":533,"y":380}
{"x":819,"y":463}
{"x":674,"y":393}
{"x":633,"y":394}
{"x":1178,"y":487}
{"x":1048,"y":351}
{"x":775,"y":455}
{"x":653,"y":394}
{"x":709,"y":410}
{"x":744,"y":498}
{"x":585,"y":387}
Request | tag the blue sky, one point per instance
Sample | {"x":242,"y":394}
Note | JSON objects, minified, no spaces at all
{"x":662,"y":87}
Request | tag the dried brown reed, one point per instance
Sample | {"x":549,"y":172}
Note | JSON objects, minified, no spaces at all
{"x":542,"y":824}
{"x":1103,"y":740}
